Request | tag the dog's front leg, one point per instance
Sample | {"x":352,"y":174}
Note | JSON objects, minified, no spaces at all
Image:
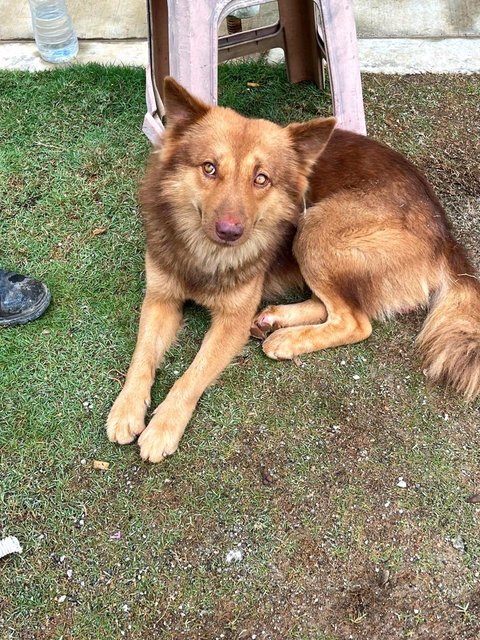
{"x":227,"y":335}
{"x":159,"y":322}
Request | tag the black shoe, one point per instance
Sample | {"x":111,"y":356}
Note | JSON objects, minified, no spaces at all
{"x":21,"y":299}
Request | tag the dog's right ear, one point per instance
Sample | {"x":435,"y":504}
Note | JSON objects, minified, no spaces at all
{"x":181,"y":108}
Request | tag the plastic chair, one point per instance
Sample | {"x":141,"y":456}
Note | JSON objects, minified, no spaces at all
{"x":184,"y":43}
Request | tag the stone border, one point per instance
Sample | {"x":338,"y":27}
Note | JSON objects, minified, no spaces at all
{"x":377,"y":55}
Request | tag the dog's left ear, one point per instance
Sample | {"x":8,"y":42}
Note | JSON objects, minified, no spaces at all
{"x":181,"y":108}
{"x":310,"y":138}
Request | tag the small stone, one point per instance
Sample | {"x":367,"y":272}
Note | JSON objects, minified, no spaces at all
{"x":62,"y":599}
{"x":401,"y":483}
{"x":235,"y":555}
{"x":474,"y":499}
{"x":356,"y":377}
{"x":458,"y":543}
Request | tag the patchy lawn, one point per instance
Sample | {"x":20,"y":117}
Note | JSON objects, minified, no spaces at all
{"x":324,"y":501}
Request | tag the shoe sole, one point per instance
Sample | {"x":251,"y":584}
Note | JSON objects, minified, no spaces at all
{"x":28,"y":317}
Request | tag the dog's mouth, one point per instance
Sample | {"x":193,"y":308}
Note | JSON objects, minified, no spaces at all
{"x":227,"y":243}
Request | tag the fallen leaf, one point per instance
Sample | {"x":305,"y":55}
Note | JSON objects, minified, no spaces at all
{"x":100,"y":465}
{"x":267,"y":478}
{"x":99,"y":231}
{"x":383,"y":577}
{"x":253,"y":84}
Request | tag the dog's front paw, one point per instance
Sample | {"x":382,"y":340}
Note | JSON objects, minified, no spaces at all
{"x":162,"y":436}
{"x":281,"y":345}
{"x":126,"y":419}
{"x":157,"y":442}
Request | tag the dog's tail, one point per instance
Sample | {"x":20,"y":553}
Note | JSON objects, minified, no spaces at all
{"x":450,"y":338}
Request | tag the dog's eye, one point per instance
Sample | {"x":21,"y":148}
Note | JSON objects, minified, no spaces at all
{"x":209,"y":169}
{"x":261,"y":180}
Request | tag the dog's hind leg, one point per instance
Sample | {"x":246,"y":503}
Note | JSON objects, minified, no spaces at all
{"x":345,"y":324}
{"x":310,"y":311}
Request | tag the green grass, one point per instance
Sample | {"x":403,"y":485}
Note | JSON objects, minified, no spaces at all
{"x":315,"y":537}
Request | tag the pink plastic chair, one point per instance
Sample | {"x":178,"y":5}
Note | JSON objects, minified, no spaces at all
{"x":184,"y":43}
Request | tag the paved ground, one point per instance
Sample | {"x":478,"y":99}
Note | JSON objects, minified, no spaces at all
{"x":379,"y":55}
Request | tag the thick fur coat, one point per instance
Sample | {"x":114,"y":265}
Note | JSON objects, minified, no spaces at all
{"x":237,"y":210}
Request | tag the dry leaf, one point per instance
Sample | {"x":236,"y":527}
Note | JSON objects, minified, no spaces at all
{"x":99,"y":231}
{"x":253,"y":84}
{"x":100,"y":465}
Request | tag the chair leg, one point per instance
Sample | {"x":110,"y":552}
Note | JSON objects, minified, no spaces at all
{"x":159,"y":45}
{"x":343,"y":66}
{"x":194,"y":59}
{"x":302,"y":56}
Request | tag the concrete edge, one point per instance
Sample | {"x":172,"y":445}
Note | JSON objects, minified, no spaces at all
{"x":379,"y":55}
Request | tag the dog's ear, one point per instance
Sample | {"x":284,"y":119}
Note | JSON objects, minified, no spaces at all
{"x":310,"y":138}
{"x":181,"y":108}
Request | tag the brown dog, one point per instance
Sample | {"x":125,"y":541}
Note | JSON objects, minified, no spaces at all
{"x":224,"y":201}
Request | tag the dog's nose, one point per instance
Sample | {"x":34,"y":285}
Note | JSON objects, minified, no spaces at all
{"x":228,"y":230}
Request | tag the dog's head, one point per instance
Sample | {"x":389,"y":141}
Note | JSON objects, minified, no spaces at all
{"x":241,"y":176}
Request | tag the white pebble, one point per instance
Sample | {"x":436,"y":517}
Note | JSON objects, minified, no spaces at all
{"x":235,"y":555}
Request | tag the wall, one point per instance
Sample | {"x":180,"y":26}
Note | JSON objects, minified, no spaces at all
{"x":105,"y":19}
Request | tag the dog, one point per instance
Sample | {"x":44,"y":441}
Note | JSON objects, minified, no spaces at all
{"x":237,"y":209}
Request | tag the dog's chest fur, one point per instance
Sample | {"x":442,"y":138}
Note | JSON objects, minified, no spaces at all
{"x":202,"y":268}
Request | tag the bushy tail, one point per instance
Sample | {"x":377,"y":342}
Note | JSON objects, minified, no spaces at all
{"x":450,"y":338}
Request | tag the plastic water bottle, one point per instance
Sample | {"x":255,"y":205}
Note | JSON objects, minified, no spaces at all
{"x":53,"y":30}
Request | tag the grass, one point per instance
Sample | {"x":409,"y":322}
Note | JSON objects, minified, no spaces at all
{"x":294,"y":466}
